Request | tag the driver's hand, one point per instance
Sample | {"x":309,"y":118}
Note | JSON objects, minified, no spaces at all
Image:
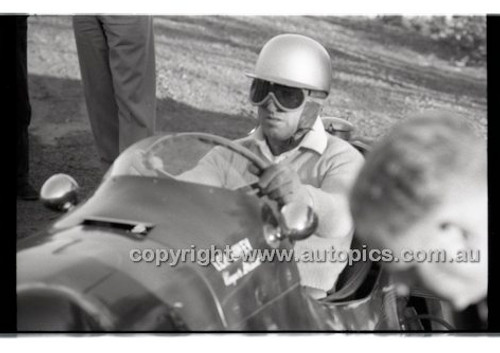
{"x":282,"y":184}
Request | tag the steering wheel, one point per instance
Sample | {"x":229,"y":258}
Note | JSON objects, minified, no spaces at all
{"x":156,"y":165}
{"x":299,"y":222}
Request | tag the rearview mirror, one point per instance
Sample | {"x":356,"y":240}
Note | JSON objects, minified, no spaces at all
{"x":60,"y":192}
{"x":297,"y":221}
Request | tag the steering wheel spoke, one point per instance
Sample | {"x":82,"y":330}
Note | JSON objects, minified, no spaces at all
{"x":152,"y":161}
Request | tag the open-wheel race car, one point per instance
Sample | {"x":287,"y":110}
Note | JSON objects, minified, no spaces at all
{"x":84,"y":273}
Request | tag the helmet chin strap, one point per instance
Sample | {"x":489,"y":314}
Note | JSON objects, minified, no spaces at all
{"x":306,"y":121}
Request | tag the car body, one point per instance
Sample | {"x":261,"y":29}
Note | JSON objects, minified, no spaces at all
{"x":81,"y":273}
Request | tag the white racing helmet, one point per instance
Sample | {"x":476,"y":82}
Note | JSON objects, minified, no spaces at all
{"x":296,"y":61}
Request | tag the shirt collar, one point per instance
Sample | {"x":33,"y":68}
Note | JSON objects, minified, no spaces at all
{"x":316,"y":139}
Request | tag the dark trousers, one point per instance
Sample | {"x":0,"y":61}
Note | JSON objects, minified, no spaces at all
{"x":117,"y":63}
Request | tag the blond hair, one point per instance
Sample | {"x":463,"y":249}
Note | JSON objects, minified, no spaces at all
{"x":413,"y":169}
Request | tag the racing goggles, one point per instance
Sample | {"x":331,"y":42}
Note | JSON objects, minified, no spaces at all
{"x":286,"y":98}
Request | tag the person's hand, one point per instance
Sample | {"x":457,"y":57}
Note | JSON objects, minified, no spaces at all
{"x":282,"y":184}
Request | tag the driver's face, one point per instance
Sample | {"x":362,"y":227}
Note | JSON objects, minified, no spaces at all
{"x":277,"y":124}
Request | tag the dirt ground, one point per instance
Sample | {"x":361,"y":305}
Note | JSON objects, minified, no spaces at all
{"x":381,"y":75}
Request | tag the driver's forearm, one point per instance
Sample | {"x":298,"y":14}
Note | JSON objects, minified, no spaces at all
{"x":333,"y":213}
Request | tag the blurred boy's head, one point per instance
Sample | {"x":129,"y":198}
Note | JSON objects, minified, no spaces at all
{"x":424,"y":188}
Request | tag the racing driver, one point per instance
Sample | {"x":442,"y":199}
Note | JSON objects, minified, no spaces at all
{"x":290,"y":84}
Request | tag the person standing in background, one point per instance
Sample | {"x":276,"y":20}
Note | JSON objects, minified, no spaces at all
{"x":117,"y":64}
{"x":25,"y":190}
